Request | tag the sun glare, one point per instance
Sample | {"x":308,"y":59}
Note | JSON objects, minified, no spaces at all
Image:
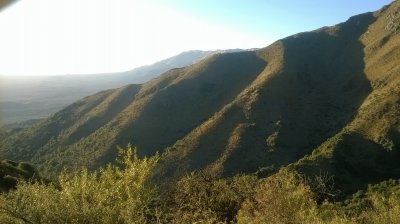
{"x":94,"y":36}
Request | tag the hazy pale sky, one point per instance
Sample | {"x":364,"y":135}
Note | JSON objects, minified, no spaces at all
{"x":49,"y":37}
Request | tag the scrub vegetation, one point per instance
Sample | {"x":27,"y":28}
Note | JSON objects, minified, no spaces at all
{"x":127,"y":193}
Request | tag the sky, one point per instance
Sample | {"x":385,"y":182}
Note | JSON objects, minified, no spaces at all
{"x":57,"y":37}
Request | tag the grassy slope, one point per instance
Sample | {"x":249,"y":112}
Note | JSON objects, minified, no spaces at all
{"x":332,"y":94}
{"x":311,"y":88}
{"x":24,"y":98}
{"x":151,"y":116}
{"x":367,"y":149}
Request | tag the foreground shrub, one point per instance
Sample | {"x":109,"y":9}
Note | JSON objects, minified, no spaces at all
{"x":379,"y":204}
{"x":200,"y":197}
{"x":281,"y":198}
{"x":111,"y":195}
{"x":124,"y":193}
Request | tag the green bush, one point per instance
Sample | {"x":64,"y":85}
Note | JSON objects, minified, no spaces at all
{"x":126,"y":193}
{"x":27,"y":168}
{"x":111,"y":195}
{"x":379,"y":204}
{"x":281,"y":198}
{"x":11,"y":172}
{"x":8,"y":182}
{"x":201,"y":197}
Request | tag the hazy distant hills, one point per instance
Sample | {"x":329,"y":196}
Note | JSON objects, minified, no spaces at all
{"x":326,"y":100}
{"x":26,"y":98}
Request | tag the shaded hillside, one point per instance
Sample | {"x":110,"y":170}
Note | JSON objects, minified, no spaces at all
{"x":312,"y":87}
{"x":25,"y":98}
{"x":321,"y":100}
{"x":150,"y":116}
{"x":11,"y":172}
{"x":367,"y":149}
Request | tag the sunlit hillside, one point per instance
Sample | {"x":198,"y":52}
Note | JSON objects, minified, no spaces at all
{"x":305,"y":130}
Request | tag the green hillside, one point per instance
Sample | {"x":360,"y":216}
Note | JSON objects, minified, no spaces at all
{"x":306,"y":130}
{"x":12,"y":172}
{"x":320,"y":101}
{"x":27,"y":98}
{"x":149,"y":116}
{"x":367,"y":149}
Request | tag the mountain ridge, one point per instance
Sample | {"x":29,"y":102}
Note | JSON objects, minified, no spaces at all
{"x":27,"y":98}
{"x":312,"y":101}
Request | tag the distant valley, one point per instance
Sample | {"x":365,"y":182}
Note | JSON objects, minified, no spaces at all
{"x":29,"y":98}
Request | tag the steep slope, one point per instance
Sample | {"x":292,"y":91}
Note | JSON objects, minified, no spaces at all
{"x":326,"y":100}
{"x":311,"y":88}
{"x":25,"y":98}
{"x":151,"y":116}
{"x":367,"y":149}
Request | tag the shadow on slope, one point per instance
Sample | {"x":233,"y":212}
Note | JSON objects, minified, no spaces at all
{"x":318,"y":92}
{"x":69,"y":125}
{"x":354,"y":161}
{"x":190,"y":99}
{"x":367,"y":150}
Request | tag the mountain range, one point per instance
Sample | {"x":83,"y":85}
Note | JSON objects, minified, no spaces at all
{"x":34,"y":97}
{"x":321,"y":101}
